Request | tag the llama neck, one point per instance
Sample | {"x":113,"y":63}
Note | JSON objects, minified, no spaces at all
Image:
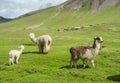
{"x":20,"y":51}
{"x":96,"y":48}
{"x":34,"y":40}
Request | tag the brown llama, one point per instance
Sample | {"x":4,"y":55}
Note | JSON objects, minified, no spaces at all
{"x":85,"y":53}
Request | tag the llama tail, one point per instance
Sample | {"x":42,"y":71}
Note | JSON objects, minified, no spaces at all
{"x":49,"y":42}
{"x":73,"y":54}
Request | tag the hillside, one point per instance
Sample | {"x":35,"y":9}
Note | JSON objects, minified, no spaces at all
{"x":72,"y":13}
{"x":94,"y":5}
{"x":54,"y":67}
{"x":2,"y":19}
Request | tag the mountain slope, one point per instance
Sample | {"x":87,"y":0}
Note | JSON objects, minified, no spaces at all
{"x":82,"y":12}
{"x":2,"y":19}
{"x":95,"y":5}
{"x":71,"y":13}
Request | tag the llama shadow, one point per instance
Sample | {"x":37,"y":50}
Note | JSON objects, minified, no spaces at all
{"x":115,"y":78}
{"x":78,"y":67}
{"x":33,"y":52}
{"x":29,"y":44}
{"x":67,"y":67}
{"x":6,"y":64}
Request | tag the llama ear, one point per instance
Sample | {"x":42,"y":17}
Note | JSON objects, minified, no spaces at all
{"x":95,"y":37}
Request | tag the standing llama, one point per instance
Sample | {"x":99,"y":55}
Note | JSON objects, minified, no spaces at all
{"x":85,"y":53}
{"x":43,"y":41}
{"x":14,"y":55}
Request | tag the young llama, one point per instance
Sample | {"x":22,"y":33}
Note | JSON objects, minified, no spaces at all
{"x":14,"y":55}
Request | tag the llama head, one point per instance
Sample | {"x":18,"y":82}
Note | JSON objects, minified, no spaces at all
{"x":21,"y":47}
{"x":32,"y":35}
{"x":98,"y":39}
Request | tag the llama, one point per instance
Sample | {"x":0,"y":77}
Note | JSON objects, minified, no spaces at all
{"x":43,"y":41}
{"x":85,"y":53}
{"x":14,"y":55}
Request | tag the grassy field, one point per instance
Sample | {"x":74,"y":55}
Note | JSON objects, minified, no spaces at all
{"x":54,"y":67}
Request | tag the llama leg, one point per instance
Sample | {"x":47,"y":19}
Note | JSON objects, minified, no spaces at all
{"x":71,"y":63}
{"x":17,"y":58}
{"x":46,"y":48}
{"x":42,"y":48}
{"x":84,"y":63}
{"x":49,"y":44}
{"x":39,"y":46}
{"x":10,"y":61}
{"x":92,"y":62}
{"x":75,"y":64}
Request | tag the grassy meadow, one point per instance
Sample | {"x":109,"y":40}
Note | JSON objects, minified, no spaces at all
{"x":54,"y":66}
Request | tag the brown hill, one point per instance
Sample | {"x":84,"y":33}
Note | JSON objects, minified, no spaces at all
{"x":95,"y":5}
{"x":74,"y":5}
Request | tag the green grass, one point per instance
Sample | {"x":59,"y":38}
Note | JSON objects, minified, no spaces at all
{"x":54,"y":67}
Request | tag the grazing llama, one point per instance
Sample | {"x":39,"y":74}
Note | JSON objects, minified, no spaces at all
{"x":14,"y":55}
{"x":43,"y":41}
{"x":85,"y":53}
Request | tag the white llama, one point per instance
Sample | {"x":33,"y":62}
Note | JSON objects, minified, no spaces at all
{"x":43,"y":41}
{"x":14,"y":55}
